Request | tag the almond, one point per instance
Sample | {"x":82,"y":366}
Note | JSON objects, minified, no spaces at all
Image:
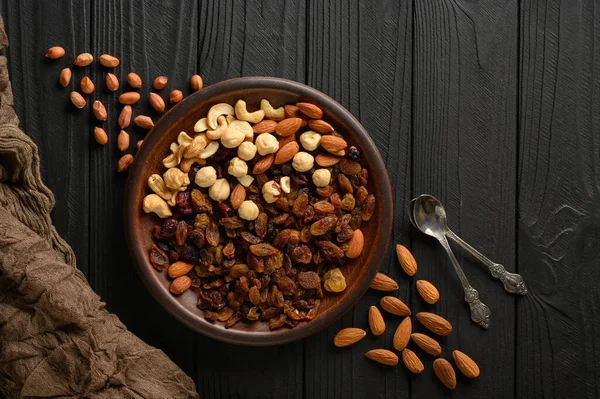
{"x":444,"y":371}
{"x":99,"y":110}
{"x":125,"y":117}
{"x":348,"y":336}
{"x":291,"y":111}
{"x":238,"y":195}
{"x":123,"y":141}
{"x":179,"y":268}
{"x":77,"y":100}
{"x":333,"y":144}
{"x":65,"y":77}
{"x":196,"y":82}
{"x":285,"y":140}
{"x":83,"y":60}
{"x":87,"y":86}
{"x":160,"y":82}
{"x":288,"y":126}
{"x":55,"y":52}
{"x":381,"y":282}
{"x":263,"y":164}
{"x":320,"y":126}
{"x":124,"y":162}
{"x":143,"y":121}
{"x":180,"y":285}
{"x":265,"y":126}
{"x":339,"y":153}
{"x":412,"y":361}
{"x":100,"y":136}
{"x":139,"y":144}
{"x":286,"y":153}
{"x":310,"y":110}
{"x":157,"y":102}
{"x":406,"y":259}
{"x":326,"y":160}
{"x":355,"y":245}
{"x":428,"y":344}
{"x":402,"y":334}
{"x":428,"y":291}
{"x":394,"y":305}
{"x":109,"y":61}
{"x":175,"y":97}
{"x":383,"y":356}
{"x":465,"y":364}
{"x":129,"y":98}
{"x":134,"y":80}
{"x":111,"y":81}
{"x":376,"y":321}
{"x":435,"y":323}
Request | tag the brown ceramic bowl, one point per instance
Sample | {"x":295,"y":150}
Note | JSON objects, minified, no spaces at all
{"x":182,"y":117}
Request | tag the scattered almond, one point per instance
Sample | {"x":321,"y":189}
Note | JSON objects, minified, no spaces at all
{"x":129,"y":98}
{"x":383,"y":356}
{"x":123,"y":141}
{"x":333,"y":144}
{"x":355,"y":245}
{"x":407,"y":261}
{"x":428,"y":291}
{"x":265,"y":126}
{"x":124,"y":162}
{"x":125,"y":117}
{"x":376,"y":321}
{"x":77,"y":100}
{"x":160,"y":82}
{"x":143,"y":121}
{"x":196,"y":82}
{"x":180,"y":285}
{"x":288,"y":126}
{"x":310,"y":110}
{"x":381,"y":282}
{"x":412,"y":361}
{"x":100,"y":136}
{"x":175,"y":96}
{"x":65,"y":77}
{"x":428,"y":344}
{"x":348,"y":336}
{"x":402,"y":334}
{"x":263,"y":164}
{"x":465,"y":364}
{"x":238,"y":195}
{"x":55,"y":52}
{"x":394,"y":305}
{"x":109,"y":61}
{"x":320,"y":126}
{"x":83,"y":60}
{"x":134,"y":80}
{"x":99,"y":110}
{"x":179,"y":268}
{"x":87,"y":86}
{"x":157,"y":102}
{"x":444,"y":372}
{"x":326,"y":160}
{"x":435,"y":323}
{"x":111,"y":81}
{"x":287,"y":152}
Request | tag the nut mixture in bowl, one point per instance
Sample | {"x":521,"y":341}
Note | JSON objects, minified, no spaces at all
{"x":261,"y":213}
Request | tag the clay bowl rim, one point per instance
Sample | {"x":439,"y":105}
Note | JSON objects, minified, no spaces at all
{"x":147,"y":273}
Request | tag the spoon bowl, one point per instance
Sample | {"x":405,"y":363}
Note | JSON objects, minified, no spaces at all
{"x":429,"y":216}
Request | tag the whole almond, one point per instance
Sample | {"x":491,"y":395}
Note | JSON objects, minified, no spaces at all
{"x":291,"y":111}
{"x":55,"y":52}
{"x":383,"y":356}
{"x":428,"y":291}
{"x":157,"y":102}
{"x":160,"y":82}
{"x":435,"y":323}
{"x":286,"y":153}
{"x":427,"y":343}
{"x":394,"y":305}
{"x":376,"y":321}
{"x":339,"y":153}
{"x":65,"y":77}
{"x":444,"y":372}
{"x":320,"y":126}
{"x":238,"y":195}
{"x":310,"y":110}
{"x":111,"y":81}
{"x":402,"y":334}
{"x":134,"y":80}
{"x":179,"y":268}
{"x":196,"y":82}
{"x":139,"y":144}
{"x":326,"y":160}
{"x":412,"y":361}
{"x":348,"y":336}
{"x":129,"y":98}
{"x":406,"y":259}
{"x":265,"y":126}
{"x":355,"y":245}
{"x":123,"y":141}
{"x":100,"y":136}
{"x":263,"y":164}
{"x":285,"y":140}
{"x":180,"y":285}
{"x":109,"y":61}
{"x":77,"y":100}
{"x":83,"y":60}
{"x":124,"y":162}
{"x":87,"y":86}
{"x":381,"y":282}
{"x":288,"y":126}
{"x":333,"y":144}
{"x":143,"y":121}
{"x":99,"y":110}
{"x":175,"y":96}
{"x":465,"y":364}
{"x":125,"y":117}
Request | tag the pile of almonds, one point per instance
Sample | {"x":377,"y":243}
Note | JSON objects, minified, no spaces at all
{"x":433,"y":322}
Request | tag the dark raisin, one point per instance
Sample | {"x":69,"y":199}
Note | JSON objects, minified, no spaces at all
{"x":300,"y":204}
{"x":302,"y":254}
{"x":368,"y":208}
{"x":189,"y":253}
{"x":196,"y":237}
{"x":158,"y":258}
{"x":353,"y":154}
{"x":260,"y":225}
{"x":263,"y":249}
{"x":181,"y":232}
{"x":212,"y":234}
{"x":168,"y":228}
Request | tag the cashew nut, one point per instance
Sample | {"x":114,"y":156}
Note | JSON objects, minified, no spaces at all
{"x":173,"y":147}
{"x":237,"y":167}
{"x":153,"y":203}
{"x":206,"y":176}
{"x":209,"y":150}
{"x":270,"y":112}
{"x":215,"y":111}
{"x":236,"y":133}
{"x":218,"y":132}
{"x":175,"y":158}
{"x":246,"y":181}
{"x":242,"y":113}
{"x":220,"y":190}
{"x":230,"y":118}
{"x":246,"y":151}
{"x":266,"y":144}
{"x":184,"y":138}
{"x":271,"y":191}
{"x":195,"y":147}
{"x":173,"y":200}
{"x":201,"y":125}
{"x":186,"y":163}
{"x":175,"y":179}
{"x":157,"y":184}
{"x":284,"y":182}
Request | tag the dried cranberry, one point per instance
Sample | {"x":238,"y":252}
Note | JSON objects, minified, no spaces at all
{"x":225,"y":210}
{"x":184,"y":203}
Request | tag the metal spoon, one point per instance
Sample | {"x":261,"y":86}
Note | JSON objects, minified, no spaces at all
{"x":429,"y":216}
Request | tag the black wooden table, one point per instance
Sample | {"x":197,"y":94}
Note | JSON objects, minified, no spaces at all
{"x":493,"y":106}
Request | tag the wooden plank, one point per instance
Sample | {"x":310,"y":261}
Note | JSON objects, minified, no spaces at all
{"x":558,"y":351}
{"x":361,"y":55}
{"x":256,"y":38}
{"x":44,"y":108}
{"x":464,"y":152}
{"x":151,"y":38}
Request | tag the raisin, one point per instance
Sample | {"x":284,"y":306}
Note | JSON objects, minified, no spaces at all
{"x":348,"y":202}
{"x":361,"y":195}
{"x":282,"y":238}
{"x":229,"y":250}
{"x":261,"y":180}
{"x":322,"y":226}
{"x":334,"y":281}
{"x":323,"y":207}
{"x":158,"y":259}
{"x":275,"y":297}
{"x":356,"y":219}
{"x":257,"y":264}
{"x":184,"y":203}
{"x":309,"y":280}
{"x":212,"y":234}
{"x":232,"y":222}
{"x":224,"y":314}
{"x":368,"y":208}
{"x":200,"y":202}
{"x":336,"y":201}
{"x":305,"y":235}
{"x":237,"y":316}
{"x":342,"y":222}
{"x":181,"y":232}
{"x":331,"y":251}
{"x":309,"y":214}
{"x":196,"y":237}
{"x":287,"y":286}
{"x":282,"y":204}
{"x":249,"y":237}
{"x":300,"y":204}
{"x":348,"y":167}
{"x":280,"y":219}
{"x":260,"y":225}
{"x":363,"y":177}
{"x":201,"y":221}
{"x":168,"y":228}
{"x":205,"y":258}
{"x":324,"y":191}
{"x":277,"y":322}
{"x":263,"y":249}
{"x":344,"y":183}
{"x":354,"y":154}
{"x":345,"y":235}
{"x":301,"y":254}
{"x":188,"y":253}
{"x":313,"y":311}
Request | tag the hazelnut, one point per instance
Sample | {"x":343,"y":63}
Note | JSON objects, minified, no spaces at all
{"x":246,"y":181}
{"x":236,"y":133}
{"x":246,"y":151}
{"x":220,"y":190}
{"x":303,"y":161}
{"x":285,"y":184}
{"x":310,"y":140}
{"x":237,"y":167}
{"x":248,"y":210}
{"x":271,"y":191}
{"x":266,"y":144}
{"x":206,"y":176}
{"x":175,"y":179}
{"x":321,"y":177}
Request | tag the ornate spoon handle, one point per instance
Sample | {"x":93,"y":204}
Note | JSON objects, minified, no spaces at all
{"x":480,"y":313}
{"x":512,"y":282}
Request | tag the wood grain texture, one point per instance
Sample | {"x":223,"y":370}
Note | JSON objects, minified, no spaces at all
{"x":361,"y":56}
{"x":558,"y":225}
{"x":464,"y":152}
